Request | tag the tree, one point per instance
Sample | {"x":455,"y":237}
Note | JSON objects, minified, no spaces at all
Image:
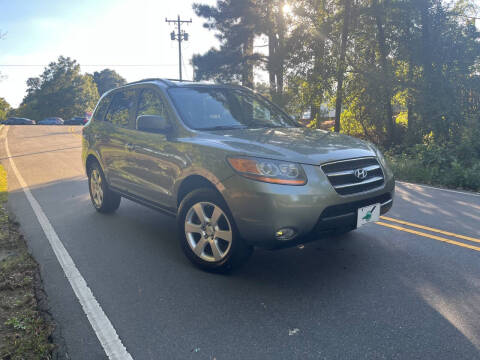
{"x":107,"y":79}
{"x":61,"y":90}
{"x":409,"y":69}
{"x":379,"y":13}
{"x":347,"y":5}
{"x":236,"y":22}
{"x":4,"y":109}
{"x":222,"y":65}
{"x":397,"y":71}
{"x":310,"y":66}
{"x":275,"y":27}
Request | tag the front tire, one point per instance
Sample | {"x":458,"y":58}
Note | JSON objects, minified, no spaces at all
{"x":103,"y":199}
{"x":208,"y":234}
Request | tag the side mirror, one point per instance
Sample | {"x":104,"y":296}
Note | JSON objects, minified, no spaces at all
{"x":152,"y":123}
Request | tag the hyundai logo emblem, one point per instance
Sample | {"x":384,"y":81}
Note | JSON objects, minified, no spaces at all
{"x":360,"y":174}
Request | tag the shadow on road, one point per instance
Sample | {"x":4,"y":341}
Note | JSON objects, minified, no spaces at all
{"x":456,"y":212}
{"x":41,"y":152}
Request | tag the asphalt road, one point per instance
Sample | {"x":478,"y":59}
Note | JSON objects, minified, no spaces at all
{"x":389,"y":290}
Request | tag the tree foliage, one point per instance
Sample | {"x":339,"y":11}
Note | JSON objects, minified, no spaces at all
{"x":235,"y":22}
{"x":107,"y":79}
{"x":396,"y":70}
{"x":404,"y":74}
{"x":61,"y":90}
{"x":4,"y":109}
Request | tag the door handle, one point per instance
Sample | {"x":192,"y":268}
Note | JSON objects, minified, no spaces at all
{"x":129,"y":147}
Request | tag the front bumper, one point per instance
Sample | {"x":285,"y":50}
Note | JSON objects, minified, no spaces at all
{"x":261,"y":209}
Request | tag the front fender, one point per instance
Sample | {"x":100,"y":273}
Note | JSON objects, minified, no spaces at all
{"x":202,"y":172}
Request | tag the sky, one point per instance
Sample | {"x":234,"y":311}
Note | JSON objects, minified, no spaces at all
{"x":124,"y":35}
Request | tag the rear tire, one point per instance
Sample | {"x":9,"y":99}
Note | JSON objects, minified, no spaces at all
{"x":208,"y":234}
{"x":103,"y":199}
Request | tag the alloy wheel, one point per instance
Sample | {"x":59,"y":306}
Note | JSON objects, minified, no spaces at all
{"x":208,"y":231}
{"x":96,"y":188}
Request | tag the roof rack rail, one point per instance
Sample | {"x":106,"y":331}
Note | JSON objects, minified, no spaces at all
{"x":147,"y":80}
{"x":183,"y":80}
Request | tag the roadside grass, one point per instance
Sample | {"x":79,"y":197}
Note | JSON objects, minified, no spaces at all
{"x":452,"y":176}
{"x":25,"y":333}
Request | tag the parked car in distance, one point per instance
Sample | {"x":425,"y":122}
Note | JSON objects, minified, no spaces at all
{"x":18,"y":121}
{"x":77,"y":120}
{"x":235,"y":169}
{"x":51,"y":121}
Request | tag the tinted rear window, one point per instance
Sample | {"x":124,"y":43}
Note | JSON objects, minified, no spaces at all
{"x":120,"y":111}
{"x":101,"y":109}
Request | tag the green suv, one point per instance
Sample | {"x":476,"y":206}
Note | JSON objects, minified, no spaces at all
{"x":235,"y":170}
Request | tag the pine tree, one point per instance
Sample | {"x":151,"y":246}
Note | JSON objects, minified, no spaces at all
{"x":235,"y":21}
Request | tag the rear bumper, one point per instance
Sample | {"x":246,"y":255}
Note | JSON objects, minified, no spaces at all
{"x":312,"y":210}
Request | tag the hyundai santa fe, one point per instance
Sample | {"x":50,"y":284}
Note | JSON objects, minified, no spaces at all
{"x":235,"y":170}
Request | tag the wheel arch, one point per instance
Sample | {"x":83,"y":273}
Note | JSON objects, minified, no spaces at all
{"x":89,"y":161}
{"x":193,"y":182}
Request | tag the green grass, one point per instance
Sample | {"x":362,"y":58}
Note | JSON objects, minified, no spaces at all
{"x":24,"y":332}
{"x":450,"y":175}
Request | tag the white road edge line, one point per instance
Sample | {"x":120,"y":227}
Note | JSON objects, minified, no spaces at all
{"x":102,"y":326}
{"x":440,"y":189}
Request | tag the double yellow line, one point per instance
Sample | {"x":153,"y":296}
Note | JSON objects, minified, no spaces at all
{"x":427,"y":235}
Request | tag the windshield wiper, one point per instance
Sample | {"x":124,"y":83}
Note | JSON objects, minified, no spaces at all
{"x":224,"y":127}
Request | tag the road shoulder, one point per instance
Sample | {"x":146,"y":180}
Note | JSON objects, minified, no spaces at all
{"x":26,"y":327}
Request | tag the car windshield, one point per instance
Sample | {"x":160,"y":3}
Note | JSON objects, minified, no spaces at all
{"x":210,"y":108}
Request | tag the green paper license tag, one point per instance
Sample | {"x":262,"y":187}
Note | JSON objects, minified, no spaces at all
{"x":368,"y":214}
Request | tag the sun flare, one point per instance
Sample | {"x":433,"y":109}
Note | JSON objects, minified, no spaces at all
{"x":287,"y":9}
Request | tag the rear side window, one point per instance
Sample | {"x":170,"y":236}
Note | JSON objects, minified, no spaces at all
{"x":151,"y":103}
{"x":101,"y":109}
{"x":121,"y":109}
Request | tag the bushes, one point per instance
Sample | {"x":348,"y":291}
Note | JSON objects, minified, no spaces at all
{"x":454,"y":165}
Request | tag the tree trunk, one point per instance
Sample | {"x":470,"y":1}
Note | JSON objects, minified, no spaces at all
{"x":318,"y":76}
{"x":410,"y":124}
{"x":271,"y":65}
{"x":271,"y":51}
{"x":280,"y":53}
{"x":387,"y":92}
{"x":341,"y":64}
{"x":426,"y":60}
{"x":317,"y":91}
{"x":247,"y":73}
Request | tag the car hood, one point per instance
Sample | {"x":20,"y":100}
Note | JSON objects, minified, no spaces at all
{"x":303,"y":145}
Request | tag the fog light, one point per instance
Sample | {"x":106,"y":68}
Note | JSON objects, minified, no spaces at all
{"x":285,"y":234}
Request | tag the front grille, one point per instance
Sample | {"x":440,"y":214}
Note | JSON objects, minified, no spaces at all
{"x":341,"y":175}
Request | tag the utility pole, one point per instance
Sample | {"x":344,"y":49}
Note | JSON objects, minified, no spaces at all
{"x":180,"y":36}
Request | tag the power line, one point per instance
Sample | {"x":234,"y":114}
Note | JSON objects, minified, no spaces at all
{"x":91,"y":65}
{"x":180,"y":36}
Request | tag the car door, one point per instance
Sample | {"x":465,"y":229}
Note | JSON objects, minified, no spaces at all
{"x":115,"y":136}
{"x":156,"y":161}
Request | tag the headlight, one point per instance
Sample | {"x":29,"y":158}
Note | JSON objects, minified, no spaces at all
{"x":271,"y":171}
{"x":381,"y":158}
